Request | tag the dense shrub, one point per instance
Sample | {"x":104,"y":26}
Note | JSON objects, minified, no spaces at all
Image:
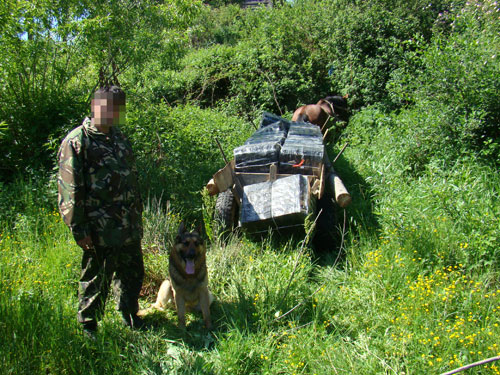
{"x":219,"y":25}
{"x":454,"y":95}
{"x":241,"y":60}
{"x":176,"y":150}
{"x":277,"y":58}
{"x":27,"y":197}
{"x":37,"y":96}
{"x":204,"y":77}
{"x":419,"y":191}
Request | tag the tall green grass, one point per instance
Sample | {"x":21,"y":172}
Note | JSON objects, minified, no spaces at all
{"x":416,"y":293}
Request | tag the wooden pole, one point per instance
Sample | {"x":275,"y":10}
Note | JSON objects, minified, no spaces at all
{"x":340,"y":153}
{"x":239,"y":187}
{"x":342,"y":196}
{"x":463,"y":368}
{"x":221,"y":151}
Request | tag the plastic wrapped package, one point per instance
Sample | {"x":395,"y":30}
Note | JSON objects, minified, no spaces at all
{"x":285,"y":202}
{"x":301,"y":155}
{"x":272,"y":133}
{"x":290,"y":196}
{"x":298,"y":139}
{"x":260,"y":150}
{"x":269,"y":118}
{"x":256,"y":203}
{"x":266,"y":138}
{"x":256,"y":157}
{"x":274,"y":127}
{"x":304,"y":129}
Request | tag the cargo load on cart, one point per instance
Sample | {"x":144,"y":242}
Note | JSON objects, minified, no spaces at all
{"x":277,"y":178}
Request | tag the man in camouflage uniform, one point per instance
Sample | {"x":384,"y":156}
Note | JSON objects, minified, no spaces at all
{"x":100,"y":202}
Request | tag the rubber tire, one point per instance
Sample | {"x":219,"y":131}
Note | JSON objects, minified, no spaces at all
{"x":226,"y":213}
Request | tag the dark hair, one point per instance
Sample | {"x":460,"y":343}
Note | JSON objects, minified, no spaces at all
{"x":337,"y":101}
{"x":340,"y":107}
{"x":117,"y":93}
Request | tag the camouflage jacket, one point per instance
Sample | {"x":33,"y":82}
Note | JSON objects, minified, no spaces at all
{"x":98,"y":190}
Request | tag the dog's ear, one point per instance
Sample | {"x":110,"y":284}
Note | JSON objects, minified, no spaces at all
{"x":199,"y":228}
{"x":182,"y":228}
{"x":181,"y":231}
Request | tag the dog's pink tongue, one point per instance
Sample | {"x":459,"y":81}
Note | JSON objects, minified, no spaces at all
{"x":189,"y":266}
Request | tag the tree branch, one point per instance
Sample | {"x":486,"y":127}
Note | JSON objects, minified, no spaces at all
{"x":466,"y":367}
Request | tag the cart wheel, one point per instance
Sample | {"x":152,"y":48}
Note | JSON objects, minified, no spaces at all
{"x":326,"y":235}
{"x":226,"y":213}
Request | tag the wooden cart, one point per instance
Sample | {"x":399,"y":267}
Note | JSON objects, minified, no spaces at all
{"x":324,"y":187}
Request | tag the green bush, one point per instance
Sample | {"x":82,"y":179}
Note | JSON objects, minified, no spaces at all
{"x":418,"y":191}
{"x":177,"y":153}
{"x":454,"y":95}
{"x":219,"y":25}
{"x":204,"y":78}
{"x":276,"y":59}
{"x":27,"y":197}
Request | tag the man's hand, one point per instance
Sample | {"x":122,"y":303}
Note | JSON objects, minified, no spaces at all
{"x":85,"y":243}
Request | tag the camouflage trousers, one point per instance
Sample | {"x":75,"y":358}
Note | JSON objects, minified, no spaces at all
{"x":123,"y":267}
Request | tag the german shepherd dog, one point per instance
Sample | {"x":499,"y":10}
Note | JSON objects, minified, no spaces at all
{"x":187,"y":287}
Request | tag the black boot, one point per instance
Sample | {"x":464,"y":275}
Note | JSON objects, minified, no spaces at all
{"x":90,"y":329}
{"x":132,"y":321}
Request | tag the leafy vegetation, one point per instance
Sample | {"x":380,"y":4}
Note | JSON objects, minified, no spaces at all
{"x":412,"y":285}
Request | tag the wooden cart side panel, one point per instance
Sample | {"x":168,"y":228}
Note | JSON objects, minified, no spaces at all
{"x":223,"y":178}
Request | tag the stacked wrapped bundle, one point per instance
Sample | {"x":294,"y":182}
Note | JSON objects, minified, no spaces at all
{"x":274,"y":131}
{"x":303,"y":150}
{"x":269,"y":118}
{"x":261,"y":149}
{"x":290,"y":196}
{"x":305,"y":129}
{"x":256,"y":203}
{"x":284,"y":202}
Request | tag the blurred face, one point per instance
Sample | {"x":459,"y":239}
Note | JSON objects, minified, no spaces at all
{"x":107,"y":111}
